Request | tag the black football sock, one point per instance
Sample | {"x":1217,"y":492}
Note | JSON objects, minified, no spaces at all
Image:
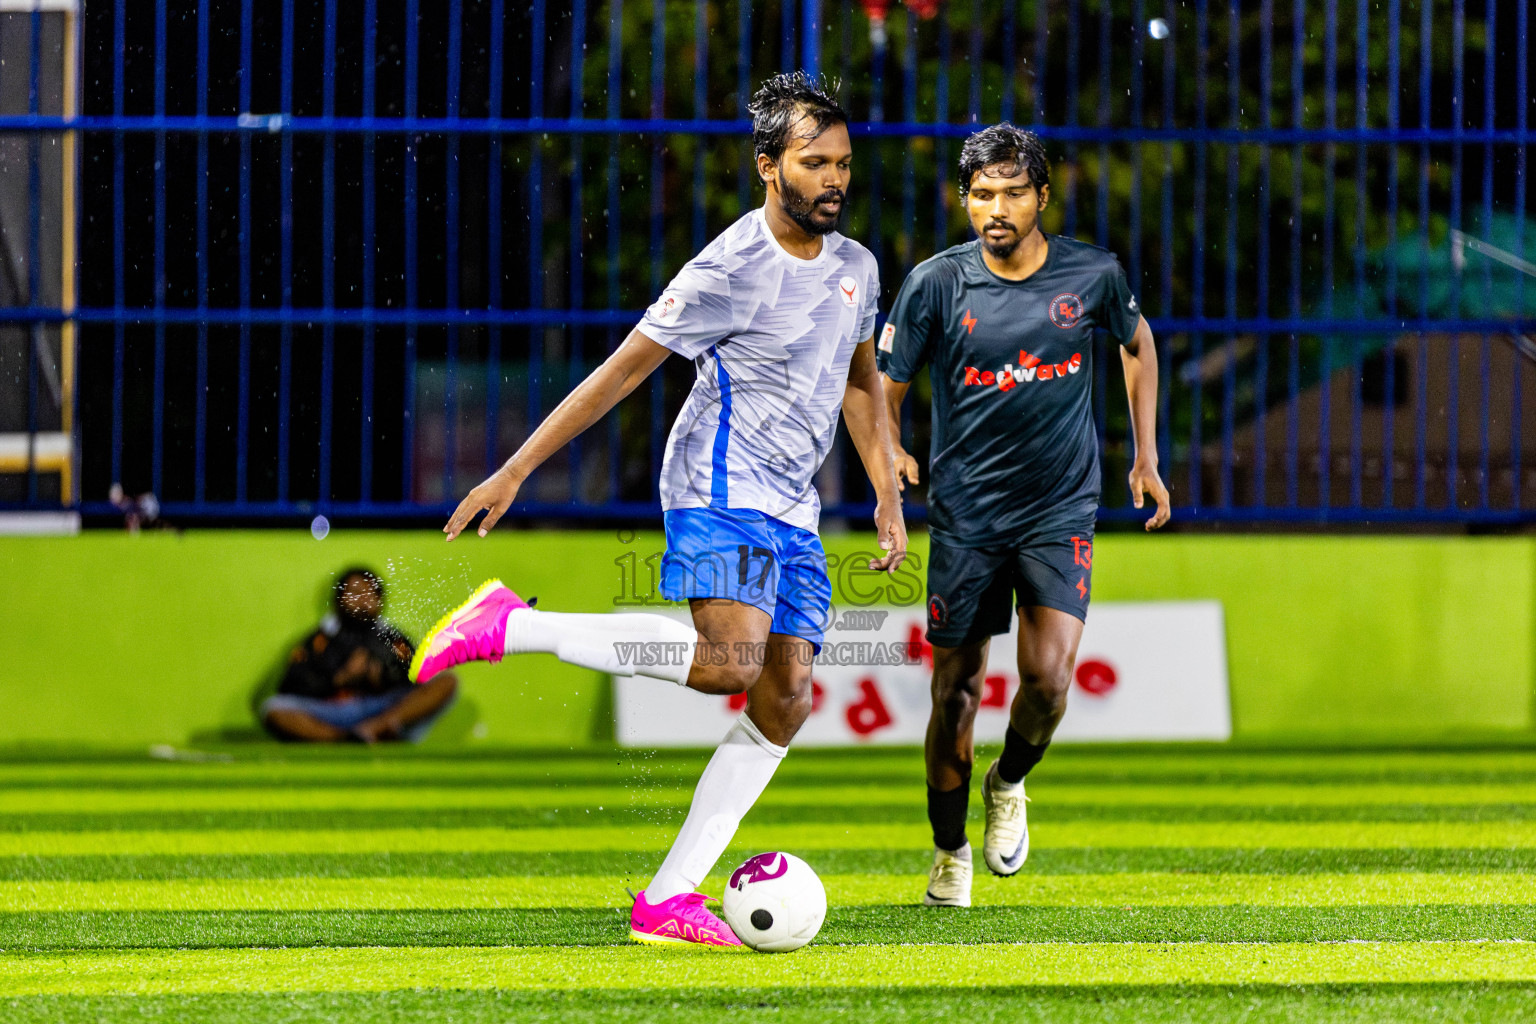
{"x":1019,"y":756}
{"x":946,"y":813}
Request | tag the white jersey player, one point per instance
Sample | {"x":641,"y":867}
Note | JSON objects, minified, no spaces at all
{"x":778,"y":316}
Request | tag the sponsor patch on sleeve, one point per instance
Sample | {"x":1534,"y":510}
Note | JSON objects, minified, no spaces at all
{"x":668,"y":308}
{"x":888,"y":338}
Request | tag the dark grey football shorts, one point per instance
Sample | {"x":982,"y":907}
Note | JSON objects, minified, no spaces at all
{"x":973,"y":592}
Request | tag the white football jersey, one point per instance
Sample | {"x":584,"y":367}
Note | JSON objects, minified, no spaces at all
{"x":771,"y":336}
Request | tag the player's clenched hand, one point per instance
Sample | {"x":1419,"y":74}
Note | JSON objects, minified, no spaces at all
{"x":906,"y":470}
{"x":1144,"y":480}
{"x":892,"y":531}
{"x":496,"y":493}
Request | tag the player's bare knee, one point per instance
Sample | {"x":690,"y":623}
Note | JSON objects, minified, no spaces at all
{"x":780,"y":705}
{"x":955,"y":704}
{"x":958,"y":675}
{"x":805,"y":690}
{"x":737,"y":677}
{"x":795,"y":711}
{"x":1044,"y":686}
{"x":797,"y":692}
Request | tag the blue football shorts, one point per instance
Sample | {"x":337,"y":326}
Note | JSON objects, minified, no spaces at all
{"x":744,"y":555}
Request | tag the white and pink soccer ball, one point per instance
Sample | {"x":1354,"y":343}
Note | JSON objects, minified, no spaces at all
{"x":775,"y":903}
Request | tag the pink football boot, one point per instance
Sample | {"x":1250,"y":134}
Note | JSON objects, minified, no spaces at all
{"x":474,"y":631}
{"x":679,"y":920}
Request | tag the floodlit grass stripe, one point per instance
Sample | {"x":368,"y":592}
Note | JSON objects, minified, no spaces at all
{"x":1149,"y":889}
{"x":408,"y":840}
{"x":763,"y":820}
{"x":643,"y":838}
{"x":1048,"y":793}
{"x":1105,"y":1004}
{"x":778,"y":816}
{"x":895,"y":860}
{"x":639,"y":793}
{"x":149,"y":972}
{"x":1118,"y":1004}
{"x":871,"y":925}
{"x":288,"y":765}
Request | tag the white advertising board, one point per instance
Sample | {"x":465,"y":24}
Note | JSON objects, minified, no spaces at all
{"x":1145,"y":671}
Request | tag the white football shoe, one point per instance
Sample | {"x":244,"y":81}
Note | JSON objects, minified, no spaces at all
{"x":949,"y":880}
{"x":1006,"y":841}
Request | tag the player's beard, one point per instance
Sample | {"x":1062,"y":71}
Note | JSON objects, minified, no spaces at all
{"x":1004,"y":249}
{"x":802,"y":210}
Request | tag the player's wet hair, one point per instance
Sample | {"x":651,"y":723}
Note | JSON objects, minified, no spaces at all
{"x":779,"y":106}
{"x":357,"y":572}
{"x":1012,"y":147}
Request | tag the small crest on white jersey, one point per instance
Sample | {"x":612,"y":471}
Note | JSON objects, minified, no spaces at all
{"x":848,"y":288}
{"x":668,"y":307}
{"x":888,"y":337}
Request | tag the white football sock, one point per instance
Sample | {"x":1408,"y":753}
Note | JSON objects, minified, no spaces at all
{"x":732,"y":781}
{"x":607,"y":643}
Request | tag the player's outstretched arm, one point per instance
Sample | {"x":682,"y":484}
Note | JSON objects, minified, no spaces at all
{"x":619,"y":374}
{"x":895,"y":394}
{"x":864,"y":411}
{"x":1140,"y":361}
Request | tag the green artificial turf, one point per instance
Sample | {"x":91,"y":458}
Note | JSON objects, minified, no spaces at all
{"x":1253,"y":1004}
{"x":568,"y":797}
{"x":896,"y":965}
{"x":594,"y":926}
{"x":902,"y":861}
{"x":336,"y":833}
{"x":1164,"y":884}
{"x":1148,"y":889}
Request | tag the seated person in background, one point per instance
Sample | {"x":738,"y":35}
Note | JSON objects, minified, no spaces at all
{"x":347,"y":681}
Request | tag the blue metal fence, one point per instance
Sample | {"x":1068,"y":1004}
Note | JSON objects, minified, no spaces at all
{"x":341,"y":257}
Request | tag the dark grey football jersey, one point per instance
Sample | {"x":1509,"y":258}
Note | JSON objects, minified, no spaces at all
{"x":1014,"y":447}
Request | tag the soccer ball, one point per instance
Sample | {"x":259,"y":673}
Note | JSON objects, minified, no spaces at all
{"x":775,"y":903}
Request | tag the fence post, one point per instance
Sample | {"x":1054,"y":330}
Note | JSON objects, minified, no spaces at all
{"x":810,"y":36}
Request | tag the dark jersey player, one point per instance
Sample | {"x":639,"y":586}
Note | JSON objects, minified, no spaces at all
{"x":1005,"y":325}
